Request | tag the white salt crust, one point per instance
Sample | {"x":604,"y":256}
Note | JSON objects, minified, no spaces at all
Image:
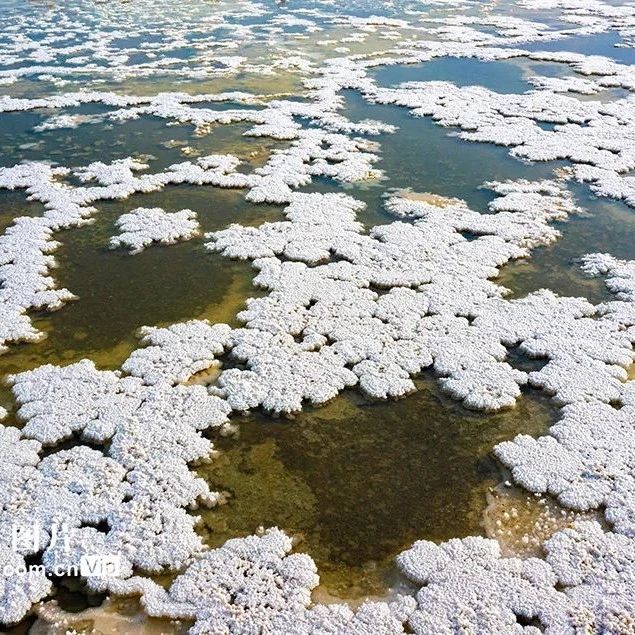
{"x":254,"y":585}
{"x":585,"y":585}
{"x":25,"y":261}
{"x":176,"y":353}
{"x":74,"y":44}
{"x":319,"y":313}
{"x":597,"y":138}
{"x":313,"y":325}
{"x":19,"y":458}
{"x":593,"y":15}
{"x":331,"y":285}
{"x":139,"y":487}
{"x":143,"y":226}
{"x":26,"y":245}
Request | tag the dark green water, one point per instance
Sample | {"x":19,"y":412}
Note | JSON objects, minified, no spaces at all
{"x":359,"y":481}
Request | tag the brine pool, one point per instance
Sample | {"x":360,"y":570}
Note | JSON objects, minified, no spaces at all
{"x":356,"y":481}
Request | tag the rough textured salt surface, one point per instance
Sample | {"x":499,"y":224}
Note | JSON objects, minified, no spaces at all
{"x":139,"y":486}
{"x":176,"y":353}
{"x":344,"y":307}
{"x":313,"y":325}
{"x":255,"y":584}
{"x":319,"y":314}
{"x":25,"y":260}
{"x":598,"y":138}
{"x":17,"y":469}
{"x":585,"y":585}
{"x":143,"y":226}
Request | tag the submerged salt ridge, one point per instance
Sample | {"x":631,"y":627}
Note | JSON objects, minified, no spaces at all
{"x":423,"y":288}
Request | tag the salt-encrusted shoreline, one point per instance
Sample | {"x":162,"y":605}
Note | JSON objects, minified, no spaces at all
{"x":345,"y":307}
{"x":596,"y":137}
{"x":313,"y":152}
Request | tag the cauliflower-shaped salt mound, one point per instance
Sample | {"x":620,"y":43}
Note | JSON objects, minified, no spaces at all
{"x":587,"y":352}
{"x":18,"y":592}
{"x":585,"y":585}
{"x":282,"y":373}
{"x":144,"y":225}
{"x":58,"y":401}
{"x":586,"y":461}
{"x":468,"y":587}
{"x":308,"y":237}
{"x":317,"y":266}
{"x":597,"y":569}
{"x":177,"y":352}
{"x":255,"y":585}
{"x":72,"y":487}
{"x":25,"y":260}
{"x":140,"y":488}
{"x":620,"y":280}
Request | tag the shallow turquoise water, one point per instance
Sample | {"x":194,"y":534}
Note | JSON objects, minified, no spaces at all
{"x":503,"y":77}
{"x":597,"y":44}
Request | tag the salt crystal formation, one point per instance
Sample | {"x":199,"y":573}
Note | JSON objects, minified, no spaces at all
{"x":17,"y":469}
{"x":596,"y":137}
{"x":25,"y":260}
{"x":143,"y":226}
{"x":139,"y":487}
{"x":319,"y":314}
{"x":176,"y":353}
{"x":308,"y":339}
{"x":253,"y":585}
{"x":587,"y":463}
{"x":585,"y":585}
{"x":25,"y":248}
{"x":344,"y":307}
